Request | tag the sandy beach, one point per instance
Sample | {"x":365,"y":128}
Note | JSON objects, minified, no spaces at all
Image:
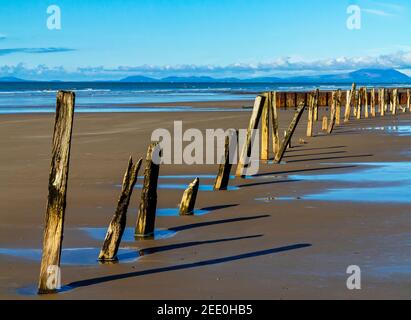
{"x":268,"y":239}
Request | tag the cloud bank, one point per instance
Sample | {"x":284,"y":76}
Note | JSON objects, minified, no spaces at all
{"x":286,"y":66}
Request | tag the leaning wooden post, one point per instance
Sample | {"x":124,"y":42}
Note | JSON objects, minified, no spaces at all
{"x":253,"y":125}
{"x":349,"y":102}
{"x":223,"y":176}
{"x":316,"y":102}
{"x":265,"y":132}
{"x":310,"y":123}
{"x":274,"y":121}
{"x":394,"y":101}
{"x":333,"y":112}
{"x":373,"y":102}
{"x":56,"y":203}
{"x":338,"y":108}
{"x":291,"y":129}
{"x":188,"y":201}
{"x":118,"y":222}
{"x":148,"y":204}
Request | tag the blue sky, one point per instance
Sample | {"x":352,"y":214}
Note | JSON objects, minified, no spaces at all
{"x":244,"y":38}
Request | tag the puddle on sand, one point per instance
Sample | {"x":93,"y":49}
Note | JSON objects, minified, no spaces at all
{"x":175,"y":212}
{"x":72,"y":256}
{"x":399,"y":130}
{"x":390,"y":183}
{"x":269,"y":199}
{"x":128,"y":236}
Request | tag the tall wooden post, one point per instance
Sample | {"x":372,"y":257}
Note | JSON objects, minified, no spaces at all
{"x":333,"y":112}
{"x":291,"y":129}
{"x":223,"y":176}
{"x":148,"y":204}
{"x":349,"y":103}
{"x":56,"y":203}
{"x":118,"y":222}
{"x":338,"y":108}
{"x":316,"y":102}
{"x":265,"y":132}
{"x":274,"y":120}
{"x":373,"y":102}
{"x":358,"y":100}
{"x":310,"y":116}
{"x":188,"y":201}
{"x":382,"y":101}
{"x":255,"y":118}
{"x":409,"y":99}
{"x":394,"y":101}
{"x":366,"y":113}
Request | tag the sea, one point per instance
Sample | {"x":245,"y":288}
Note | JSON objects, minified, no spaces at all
{"x":40,"y":97}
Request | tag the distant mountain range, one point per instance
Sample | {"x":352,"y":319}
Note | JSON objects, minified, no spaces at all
{"x":371,"y":76}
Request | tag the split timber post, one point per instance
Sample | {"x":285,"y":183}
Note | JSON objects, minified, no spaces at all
{"x":338,"y":108}
{"x":310,"y":115}
{"x":409,"y":99}
{"x":118,"y":222}
{"x":316,"y":103}
{"x":148,"y":204}
{"x":274,"y":120}
{"x":291,"y":129}
{"x":265,"y":131}
{"x":56,"y":203}
{"x":335,"y":98}
{"x":359,"y":100}
{"x":188,"y":201}
{"x":325,"y":124}
{"x":373,"y":102}
{"x":366,"y":113}
{"x":382,"y":101}
{"x":253,"y":125}
{"x":394,"y":101}
{"x":223,"y":176}
{"x":349,"y":102}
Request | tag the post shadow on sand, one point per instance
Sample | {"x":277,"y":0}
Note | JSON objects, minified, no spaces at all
{"x":314,"y":154}
{"x":303,"y":170}
{"x":220,"y":207}
{"x":254,"y":184}
{"x":331,"y":158}
{"x":255,"y":254}
{"x":313,"y":149}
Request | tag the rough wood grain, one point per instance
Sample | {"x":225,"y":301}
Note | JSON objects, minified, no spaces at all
{"x":373,"y":103}
{"x":359,"y":101}
{"x":333,"y":112}
{"x":409,"y":99}
{"x":188,"y":201}
{"x":223,"y":176}
{"x":382,"y":101}
{"x":253,"y":125}
{"x":394,"y":101}
{"x":56,"y":202}
{"x":265,"y":132}
{"x":118,"y":222}
{"x":310,"y":123}
{"x":366,"y":112}
{"x":324,"y":126}
{"x":274,"y":121}
{"x":291,"y":129}
{"x":338,"y":108}
{"x":349,"y":102}
{"x":316,"y":104}
{"x":148,"y":204}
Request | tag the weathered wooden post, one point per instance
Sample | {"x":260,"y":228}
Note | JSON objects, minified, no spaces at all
{"x":188,"y":201}
{"x":359,"y":98}
{"x":291,"y":129}
{"x":366,"y":113}
{"x":409,"y":99}
{"x":382,"y":101}
{"x":310,"y":123}
{"x":255,"y":118}
{"x":274,"y":121}
{"x":338,"y":108}
{"x":148,"y":204}
{"x":316,"y":102}
{"x":118,"y":222}
{"x":349,"y":102}
{"x":333,"y":112}
{"x":56,"y":203}
{"x":223,"y":176}
{"x":325,"y":124}
{"x":265,"y":131}
{"x":373,"y":102}
{"x":394,"y":101}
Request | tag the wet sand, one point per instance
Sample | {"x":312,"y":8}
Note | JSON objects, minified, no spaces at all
{"x":243,"y":248}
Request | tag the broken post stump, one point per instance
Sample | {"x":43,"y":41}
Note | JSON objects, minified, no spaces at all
{"x":316,"y":103}
{"x":223,"y":176}
{"x":333,"y":113}
{"x":56,"y":203}
{"x":188,"y":201}
{"x":274,"y":120}
{"x":118,"y":222}
{"x":291,"y":129}
{"x":265,"y":132}
{"x":148,"y":204}
{"x":253,"y":125}
{"x":338,"y":108}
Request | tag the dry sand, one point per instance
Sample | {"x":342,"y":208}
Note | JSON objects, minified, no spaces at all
{"x":275,"y":250}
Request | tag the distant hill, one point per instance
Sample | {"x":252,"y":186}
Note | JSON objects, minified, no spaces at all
{"x":11,"y":79}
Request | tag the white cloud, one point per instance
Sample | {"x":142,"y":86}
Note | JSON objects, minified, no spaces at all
{"x":377,"y":12}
